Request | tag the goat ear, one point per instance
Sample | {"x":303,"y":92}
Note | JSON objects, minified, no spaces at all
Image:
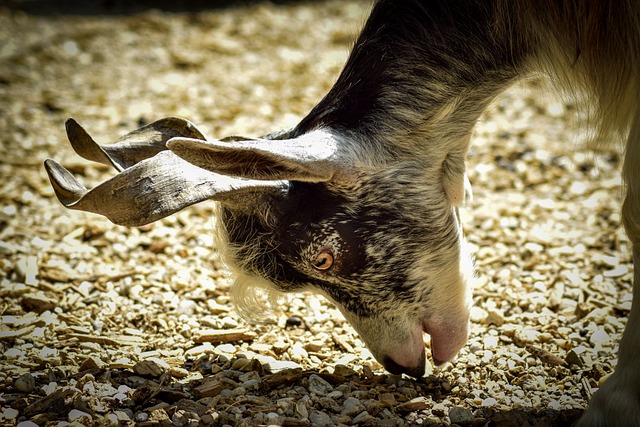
{"x":310,"y":157}
{"x":152,"y":182}
{"x":151,"y":189}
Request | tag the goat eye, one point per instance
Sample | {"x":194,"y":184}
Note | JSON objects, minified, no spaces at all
{"x":323,"y":261}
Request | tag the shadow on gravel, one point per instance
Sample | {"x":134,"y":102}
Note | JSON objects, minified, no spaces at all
{"x":528,"y":417}
{"x":206,"y":399}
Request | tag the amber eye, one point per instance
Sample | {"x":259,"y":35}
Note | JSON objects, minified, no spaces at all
{"x":323,"y":261}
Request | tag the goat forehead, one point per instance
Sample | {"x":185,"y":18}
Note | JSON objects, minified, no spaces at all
{"x":379,"y":215}
{"x":373,"y":211}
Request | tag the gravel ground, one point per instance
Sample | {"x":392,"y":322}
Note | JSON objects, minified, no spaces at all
{"x":105,"y":325}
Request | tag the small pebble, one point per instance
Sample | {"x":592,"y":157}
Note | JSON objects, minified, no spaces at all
{"x":439,"y":409}
{"x":351,"y":407}
{"x":495,"y":317}
{"x":362,"y":417}
{"x":239,"y":391}
{"x":320,"y":419}
{"x":314,"y":346}
{"x":25,"y":383}
{"x":490,"y":342}
{"x":387,"y":400}
{"x":460,"y":415}
{"x":319,"y":386}
{"x":301,"y":409}
{"x":252,"y":384}
{"x":91,"y":363}
{"x":620,"y":270}
{"x":489,"y":401}
{"x":178,"y":372}
{"x":239,"y":364}
{"x":141,"y":417}
{"x":294,"y":322}
{"x":344,"y":371}
{"x":335,"y":394}
{"x":478,"y":314}
{"x":415,"y":404}
{"x":600,"y":337}
{"x":573,"y":358}
{"x":9,"y":413}
{"x":280,"y":365}
{"x":273,"y":418}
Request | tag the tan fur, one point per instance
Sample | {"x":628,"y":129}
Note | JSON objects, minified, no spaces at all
{"x":589,"y":47}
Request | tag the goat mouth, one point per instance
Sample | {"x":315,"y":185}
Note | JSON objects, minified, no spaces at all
{"x":448,"y":336}
{"x":414,"y":371}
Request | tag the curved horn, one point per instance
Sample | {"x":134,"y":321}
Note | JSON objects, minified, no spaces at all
{"x":133,"y":147}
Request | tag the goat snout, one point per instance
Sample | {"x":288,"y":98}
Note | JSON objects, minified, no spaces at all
{"x":416,"y":371}
{"x":448,"y":336}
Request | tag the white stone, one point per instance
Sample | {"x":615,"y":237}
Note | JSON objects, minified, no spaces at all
{"x":489,"y":401}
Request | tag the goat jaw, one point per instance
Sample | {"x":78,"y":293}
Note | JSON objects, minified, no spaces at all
{"x":150,"y":190}
{"x":133,"y":147}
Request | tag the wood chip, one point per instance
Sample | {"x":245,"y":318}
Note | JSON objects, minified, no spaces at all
{"x":342,"y":343}
{"x":152,"y":367}
{"x":91,"y":363}
{"x":12,"y":335}
{"x":37,"y":302}
{"x":546,"y":356}
{"x":416,"y":404}
{"x":218,"y":336}
{"x":283,"y":377}
{"x":57,"y":401}
{"x":94,"y":338}
{"x":209,"y":388}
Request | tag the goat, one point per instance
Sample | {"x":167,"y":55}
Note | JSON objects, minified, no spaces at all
{"x":360,"y":200}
